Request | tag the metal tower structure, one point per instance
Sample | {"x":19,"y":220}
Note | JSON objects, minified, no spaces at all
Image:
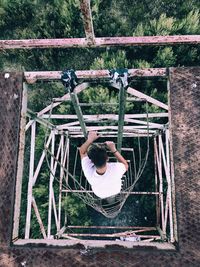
{"x":135,"y":126}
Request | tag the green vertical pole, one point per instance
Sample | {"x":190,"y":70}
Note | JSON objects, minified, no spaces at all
{"x":79,"y":113}
{"x":121,"y":113}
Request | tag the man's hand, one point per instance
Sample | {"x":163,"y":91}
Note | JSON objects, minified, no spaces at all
{"x":92,"y":136}
{"x":111,"y":146}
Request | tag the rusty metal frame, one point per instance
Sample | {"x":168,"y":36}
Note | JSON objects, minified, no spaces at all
{"x":34,"y":76}
{"x":159,"y":152}
{"x":99,"y":42}
{"x":92,"y":41}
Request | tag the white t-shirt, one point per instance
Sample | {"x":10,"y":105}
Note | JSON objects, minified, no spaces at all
{"x":108,"y":184}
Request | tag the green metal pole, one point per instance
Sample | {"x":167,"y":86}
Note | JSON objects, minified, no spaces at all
{"x":79,"y":113}
{"x":122,"y":103}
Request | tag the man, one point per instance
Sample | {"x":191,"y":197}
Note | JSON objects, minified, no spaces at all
{"x":105,"y":178}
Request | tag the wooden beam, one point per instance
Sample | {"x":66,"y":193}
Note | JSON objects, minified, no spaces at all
{"x":32,"y":77}
{"x":99,"y":42}
{"x":87,"y":21}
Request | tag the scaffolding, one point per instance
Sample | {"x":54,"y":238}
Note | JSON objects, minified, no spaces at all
{"x":135,"y":126}
{"x":63,"y":134}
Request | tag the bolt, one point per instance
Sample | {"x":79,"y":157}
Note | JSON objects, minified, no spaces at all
{"x":6,"y":75}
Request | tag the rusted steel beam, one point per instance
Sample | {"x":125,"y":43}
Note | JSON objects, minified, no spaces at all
{"x":111,"y":227}
{"x":123,"y":192}
{"x":108,"y":235}
{"x":100,"y":42}
{"x":32,"y":77}
{"x":104,"y":116}
{"x":87,"y":21}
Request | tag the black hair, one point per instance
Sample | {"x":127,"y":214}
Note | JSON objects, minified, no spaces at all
{"x":98,"y":155}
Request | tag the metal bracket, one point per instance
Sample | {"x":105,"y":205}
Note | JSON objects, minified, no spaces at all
{"x":119,"y":76}
{"x":69,"y":79}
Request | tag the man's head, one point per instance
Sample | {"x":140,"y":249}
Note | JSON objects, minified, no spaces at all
{"x":98,"y":155}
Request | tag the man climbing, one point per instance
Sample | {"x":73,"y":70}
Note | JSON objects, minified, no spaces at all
{"x":105,"y":178}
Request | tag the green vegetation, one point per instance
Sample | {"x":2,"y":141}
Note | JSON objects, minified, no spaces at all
{"x":28,"y":19}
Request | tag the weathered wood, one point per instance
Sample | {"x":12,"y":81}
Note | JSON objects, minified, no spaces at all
{"x":99,"y":42}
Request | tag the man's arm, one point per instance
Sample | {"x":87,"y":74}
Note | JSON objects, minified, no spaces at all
{"x":92,"y":136}
{"x":111,"y":146}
